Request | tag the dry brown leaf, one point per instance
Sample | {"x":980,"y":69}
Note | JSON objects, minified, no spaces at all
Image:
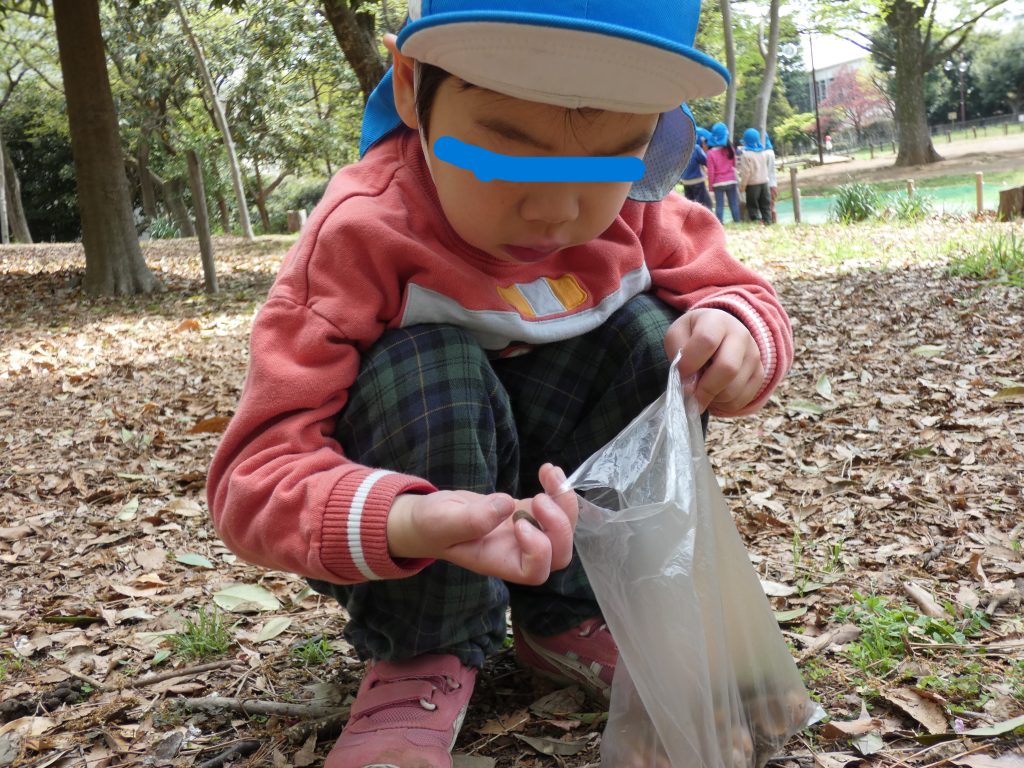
{"x":503,"y":724}
{"x":191,"y":324}
{"x":924,"y":600}
{"x":1008,"y":760}
{"x":213,"y":424}
{"x":846,"y":729}
{"x":927,"y":713}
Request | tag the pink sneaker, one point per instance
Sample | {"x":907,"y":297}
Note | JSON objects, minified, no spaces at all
{"x":585,"y":655}
{"x":406,"y":715}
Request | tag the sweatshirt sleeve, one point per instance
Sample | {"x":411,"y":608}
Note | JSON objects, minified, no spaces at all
{"x":281,"y":493}
{"x":684,"y":245}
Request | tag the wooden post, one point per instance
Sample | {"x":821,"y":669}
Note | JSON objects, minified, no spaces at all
{"x":796,"y":194}
{"x":1011,"y":203}
{"x":910,"y":187}
{"x":871,"y":149}
{"x":894,"y":147}
{"x":296,"y":220}
{"x":949,"y":137}
{"x":977,"y":188}
{"x":1006,"y":129}
{"x":195,"y":176}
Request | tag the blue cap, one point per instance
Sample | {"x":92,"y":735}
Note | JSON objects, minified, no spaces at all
{"x":703,"y":134}
{"x":719,"y":135}
{"x":768,"y":142}
{"x":635,"y":56}
{"x":752,"y":140}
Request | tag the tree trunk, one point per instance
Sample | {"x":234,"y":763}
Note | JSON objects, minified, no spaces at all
{"x":222,"y":124}
{"x":15,"y":208}
{"x":5,"y":236}
{"x":174,"y":191}
{"x":771,"y":58}
{"x":145,"y":182}
{"x":113,"y":258}
{"x":358,"y":44}
{"x":730,"y":64}
{"x":915,"y":141}
{"x":261,"y":199}
{"x":195,"y":175}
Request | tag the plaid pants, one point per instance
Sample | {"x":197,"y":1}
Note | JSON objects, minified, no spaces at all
{"x":430,"y":403}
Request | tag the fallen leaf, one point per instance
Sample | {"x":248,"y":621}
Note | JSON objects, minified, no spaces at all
{"x":847,"y":729}
{"x":191,"y":324}
{"x":460,"y":760}
{"x":306,"y":755}
{"x":559,"y":703}
{"x":193,"y":559}
{"x":1009,"y":760}
{"x":553,"y":746}
{"x":928,"y":350}
{"x":924,"y":600}
{"x":212,"y":424}
{"x":246,"y":598}
{"x":504,"y":724}
{"x":835,"y":759}
{"x":927,"y":713}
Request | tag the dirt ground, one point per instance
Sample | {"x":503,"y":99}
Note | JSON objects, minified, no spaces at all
{"x":988,"y":154}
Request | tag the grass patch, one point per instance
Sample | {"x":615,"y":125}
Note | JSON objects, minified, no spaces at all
{"x":887,"y":631}
{"x":10,"y":664}
{"x":206,"y":637}
{"x":313,"y":652}
{"x":998,"y":258}
{"x":999,"y":179}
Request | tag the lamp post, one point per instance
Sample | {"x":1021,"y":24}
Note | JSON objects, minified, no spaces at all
{"x":961,"y":70}
{"x":814,"y":96}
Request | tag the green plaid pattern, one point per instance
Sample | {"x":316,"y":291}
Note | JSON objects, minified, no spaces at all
{"x":429,"y":402}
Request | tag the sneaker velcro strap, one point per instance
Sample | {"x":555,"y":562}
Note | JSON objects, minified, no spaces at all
{"x":427,"y":667}
{"x":390,"y":695}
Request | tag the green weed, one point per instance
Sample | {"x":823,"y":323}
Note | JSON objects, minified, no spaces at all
{"x":910,"y":208}
{"x":204,"y":638}
{"x":313,"y":652}
{"x":163,"y":228}
{"x":855,"y":202}
{"x":998,"y":259}
{"x":888,"y":630}
{"x":9,"y":664}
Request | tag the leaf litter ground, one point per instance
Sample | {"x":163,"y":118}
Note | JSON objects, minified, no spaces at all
{"x":879,"y":493}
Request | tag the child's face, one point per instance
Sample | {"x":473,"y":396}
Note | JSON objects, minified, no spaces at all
{"x":528,"y":221}
{"x":521,"y":221}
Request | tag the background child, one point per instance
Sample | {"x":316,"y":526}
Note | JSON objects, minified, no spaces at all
{"x":722,"y":172}
{"x":694,"y":186}
{"x":436,"y":349}
{"x":753,"y":171}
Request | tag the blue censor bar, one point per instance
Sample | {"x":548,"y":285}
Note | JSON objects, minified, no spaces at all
{"x":488,"y":166}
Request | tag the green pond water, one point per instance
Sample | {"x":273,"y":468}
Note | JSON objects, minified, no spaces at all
{"x":955,"y":199}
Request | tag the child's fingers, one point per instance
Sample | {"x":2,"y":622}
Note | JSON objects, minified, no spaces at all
{"x":557,"y":526}
{"x":555,"y":485}
{"x":534,"y":565}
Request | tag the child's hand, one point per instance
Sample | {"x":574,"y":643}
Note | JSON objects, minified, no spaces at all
{"x":478,"y":532}
{"x":720,"y":350}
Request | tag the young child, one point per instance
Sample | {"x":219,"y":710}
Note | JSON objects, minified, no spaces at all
{"x":753,"y":171}
{"x":722,"y":172}
{"x":438,"y":349}
{"x":694,"y":186}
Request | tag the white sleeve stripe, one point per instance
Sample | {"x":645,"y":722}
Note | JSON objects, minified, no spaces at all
{"x":355,"y":519}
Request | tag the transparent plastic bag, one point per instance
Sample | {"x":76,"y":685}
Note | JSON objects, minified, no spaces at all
{"x":704,"y":677}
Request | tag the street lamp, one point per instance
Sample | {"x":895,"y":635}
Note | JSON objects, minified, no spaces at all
{"x":814,"y":94}
{"x":961,"y":70}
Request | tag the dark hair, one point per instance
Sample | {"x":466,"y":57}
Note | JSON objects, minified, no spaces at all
{"x":428,"y":80}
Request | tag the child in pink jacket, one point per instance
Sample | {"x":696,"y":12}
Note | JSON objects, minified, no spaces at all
{"x":722,"y":172}
{"x":481,"y":302}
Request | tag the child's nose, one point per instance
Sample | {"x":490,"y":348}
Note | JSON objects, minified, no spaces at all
{"x":551,"y":203}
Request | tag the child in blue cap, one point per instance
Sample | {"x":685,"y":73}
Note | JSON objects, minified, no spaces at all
{"x":485,"y":299}
{"x":722,"y":172}
{"x":753,"y":172}
{"x":694,"y":186}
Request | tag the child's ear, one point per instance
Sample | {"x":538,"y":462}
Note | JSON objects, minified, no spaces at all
{"x":404,"y":83}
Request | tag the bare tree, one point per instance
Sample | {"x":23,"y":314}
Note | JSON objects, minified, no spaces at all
{"x":222,"y":124}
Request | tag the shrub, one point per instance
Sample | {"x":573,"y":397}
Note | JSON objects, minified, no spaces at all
{"x":910,"y":208}
{"x":855,"y":202}
{"x":1000,"y":258}
{"x":163,"y":228}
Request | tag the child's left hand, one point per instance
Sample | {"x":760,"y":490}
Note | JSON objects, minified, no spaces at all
{"x":721,"y":351}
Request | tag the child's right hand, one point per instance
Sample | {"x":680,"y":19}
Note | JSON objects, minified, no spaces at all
{"x":478,"y":531}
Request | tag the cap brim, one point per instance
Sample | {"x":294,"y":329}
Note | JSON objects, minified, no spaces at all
{"x":666,"y":157}
{"x":567,"y":63}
